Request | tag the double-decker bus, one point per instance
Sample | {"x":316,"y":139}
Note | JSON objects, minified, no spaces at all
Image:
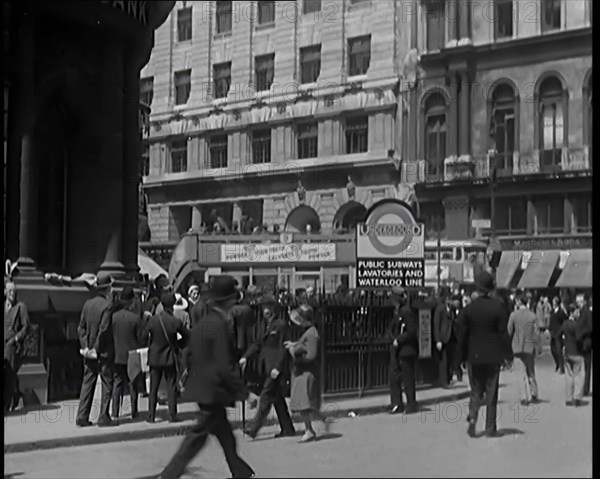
{"x":459,"y":261}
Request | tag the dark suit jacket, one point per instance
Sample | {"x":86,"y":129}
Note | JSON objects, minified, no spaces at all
{"x":214,"y":378}
{"x":269,"y":346}
{"x":16,"y":325}
{"x":162,"y":350}
{"x":483,"y":332}
{"x":408,"y":341}
{"x":442,"y":324}
{"x":584,"y":329}
{"x":95,"y":327}
{"x":556,"y":321}
{"x":128,"y":328}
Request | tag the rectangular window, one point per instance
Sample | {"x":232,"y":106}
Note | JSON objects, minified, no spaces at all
{"x":308,"y":135}
{"x":552,"y":134}
{"x":511,"y":217}
{"x":503,"y":19}
{"x":218,"y":151}
{"x":265,"y":71}
{"x":223,"y":17}
{"x":261,"y":146}
{"x":504,"y":120}
{"x":145,"y":164}
{"x":435,"y":26}
{"x":184,"y":24}
{"x":311,"y":6}
{"x":310,"y":63}
{"x":435,"y":146}
{"x":222,"y":79}
{"x":550,"y":15}
{"x":147,"y":90}
{"x":582,"y":212}
{"x":178,"y":156}
{"x":359,"y":55}
{"x":266,"y":12}
{"x":183,"y":86}
{"x":357,"y":135}
{"x":549,"y":213}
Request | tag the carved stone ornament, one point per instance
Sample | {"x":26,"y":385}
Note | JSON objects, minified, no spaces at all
{"x":351,"y":188}
{"x":157,"y":126}
{"x":237,"y":115}
{"x":301,"y":192}
{"x":328,"y":100}
{"x":281,"y":108}
{"x":196,"y":121}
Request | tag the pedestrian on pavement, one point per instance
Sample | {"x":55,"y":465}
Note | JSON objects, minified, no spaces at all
{"x":485,"y":344}
{"x":128,"y":329}
{"x":573,"y":357}
{"x":16,"y":326}
{"x":404,"y":349}
{"x":272,"y":368}
{"x":213,"y":382}
{"x":163,"y":351}
{"x":456,"y":366}
{"x":193,"y":295}
{"x":306,"y":373}
{"x":525,"y":335}
{"x":444,"y":338}
{"x":98,"y":351}
{"x":180,"y":311}
{"x":584,"y":336}
{"x":557,"y":318}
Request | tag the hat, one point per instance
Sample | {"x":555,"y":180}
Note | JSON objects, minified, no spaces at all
{"x":104,"y":281}
{"x":180,"y":302}
{"x":127,"y":294}
{"x":484,"y":282}
{"x":193,"y":287}
{"x":168,"y":300}
{"x":224,"y":288}
{"x":161,"y":282}
{"x":302,"y":313}
{"x":398,"y":291}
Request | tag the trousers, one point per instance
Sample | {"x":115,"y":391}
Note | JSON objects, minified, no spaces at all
{"x":156,"y":375}
{"x":587,"y":378}
{"x":525,"y":369}
{"x":556,"y":345}
{"x":484,"y":379}
{"x":272,"y":395}
{"x":402,"y":375}
{"x":574,"y":377}
{"x":121,"y":378}
{"x":91,"y":369}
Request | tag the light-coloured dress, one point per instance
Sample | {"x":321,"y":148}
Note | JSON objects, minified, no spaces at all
{"x":306,"y":384}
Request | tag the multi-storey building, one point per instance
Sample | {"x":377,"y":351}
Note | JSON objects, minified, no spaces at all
{"x":501,"y":127}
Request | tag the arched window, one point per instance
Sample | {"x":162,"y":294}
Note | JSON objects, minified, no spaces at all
{"x":504,"y":126}
{"x":552,"y":123}
{"x":436,"y":112}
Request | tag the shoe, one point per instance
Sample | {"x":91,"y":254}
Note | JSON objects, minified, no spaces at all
{"x":79,"y":423}
{"x":524,"y":403}
{"x":412,"y":409}
{"x":134,"y":415}
{"x":251,"y":435}
{"x":534,"y":400}
{"x":307,"y":437}
{"x":493,"y":433}
{"x":284,"y":434}
{"x":396,"y":409}
{"x":174,"y":419}
{"x":569,"y":403}
{"x":150,"y":420}
{"x":106,"y":422}
{"x":244,"y":476}
{"x":578,"y":403}
{"x":471,"y":429}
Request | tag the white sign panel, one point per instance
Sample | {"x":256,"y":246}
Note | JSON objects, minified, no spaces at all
{"x":278,"y":253}
{"x":431,"y":272}
{"x":486,"y":223}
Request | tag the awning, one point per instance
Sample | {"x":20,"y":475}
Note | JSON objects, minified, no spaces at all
{"x":539,"y":269}
{"x":188,"y":269}
{"x":509,"y":262}
{"x":149,"y":266}
{"x":578,"y":270}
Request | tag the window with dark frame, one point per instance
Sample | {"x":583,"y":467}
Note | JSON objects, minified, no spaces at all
{"x":261,"y":146}
{"x":436,"y":28}
{"x":147,"y":90}
{"x":503,"y":19}
{"x":178,"y":152}
{"x":582,"y":212}
{"x":145,"y":163}
{"x":436,"y":132}
{"x":511,"y":217}
{"x":311,"y":6}
{"x":184,"y":24}
{"x":218,"y":151}
{"x":265,"y":71}
{"x":183,"y":86}
{"x":359,"y":55}
{"x":310,"y":63}
{"x":549,"y":213}
{"x":551,"y":124}
{"x":550,"y":15}
{"x":504,"y":127}
{"x":266,"y":12}
{"x":222,"y":79}
{"x":308,"y":137}
{"x":357,"y":134}
{"x":224,"y":17}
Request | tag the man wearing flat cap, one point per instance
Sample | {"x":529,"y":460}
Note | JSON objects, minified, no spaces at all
{"x":404,"y":349}
{"x":214,"y":382}
{"x":273,"y":366}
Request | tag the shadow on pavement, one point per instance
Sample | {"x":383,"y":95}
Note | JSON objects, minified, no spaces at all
{"x":507,"y":431}
{"x":326,"y":437}
{"x":13,"y":474}
{"x":27,"y":409}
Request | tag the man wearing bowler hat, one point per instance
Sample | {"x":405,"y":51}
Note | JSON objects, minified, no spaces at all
{"x":98,"y":351}
{"x":213,"y":382}
{"x":404,"y":349}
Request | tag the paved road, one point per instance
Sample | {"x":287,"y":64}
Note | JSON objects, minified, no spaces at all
{"x":549,"y":440}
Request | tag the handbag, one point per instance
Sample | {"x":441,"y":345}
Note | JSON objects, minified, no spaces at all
{"x":174,"y":349}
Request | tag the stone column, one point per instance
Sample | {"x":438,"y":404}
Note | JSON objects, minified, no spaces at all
{"x":414,"y":26}
{"x":110,"y":214}
{"x":464,"y":116}
{"x":464,"y":23}
{"x":196,"y":217}
{"x":453,"y":126}
{"x":452,"y":19}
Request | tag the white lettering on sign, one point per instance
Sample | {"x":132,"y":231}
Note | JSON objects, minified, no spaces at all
{"x":278,"y":253}
{"x":138,"y":10}
{"x":390,"y":273}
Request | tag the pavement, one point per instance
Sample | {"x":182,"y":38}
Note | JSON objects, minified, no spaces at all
{"x":53,"y":426}
{"x":542,"y":440}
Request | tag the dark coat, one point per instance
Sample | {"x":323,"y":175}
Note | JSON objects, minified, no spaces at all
{"x":162,"y":351}
{"x":483,"y":332}
{"x":556,"y":321}
{"x":128,"y":329}
{"x":214,"y":378}
{"x":408,"y":340}
{"x":443,"y":324}
{"x":95,"y":327}
{"x":16,"y":325}
{"x":269,"y":346}
{"x":584,"y":329}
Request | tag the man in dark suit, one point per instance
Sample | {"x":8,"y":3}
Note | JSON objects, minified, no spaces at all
{"x":163,"y":348}
{"x":584,"y":337}
{"x":213,"y":382}
{"x":273,"y":366}
{"x":557,"y":318}
{"x":404,"y":349}
{"x":486,"y":345}
{"x":444,"y":338}
{"x":98,"y":351}
{"x":128,"y":328}
{"x":16,"y":326}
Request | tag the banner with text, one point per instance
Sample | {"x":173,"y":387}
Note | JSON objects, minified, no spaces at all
{"x":278,"y":253}
{"x":387,"y":273}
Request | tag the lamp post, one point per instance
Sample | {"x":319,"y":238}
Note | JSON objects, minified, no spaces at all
{"x":493,"y":244}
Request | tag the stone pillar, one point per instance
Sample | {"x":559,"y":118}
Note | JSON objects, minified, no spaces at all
{"x":464,"y":116}
{"x":464,"y":23}
{"x":414,"y":26}
{"x":452,"y":19}
{"x":413,"y":138}
{"x":530,"y":217}
{"x":454,"y":127}
{"x":196,"y":218}
{"x":457,"y":213}
{"x":110,"y":214}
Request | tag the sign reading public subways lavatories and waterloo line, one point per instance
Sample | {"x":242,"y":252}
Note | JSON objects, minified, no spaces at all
{"x":390,"y":248}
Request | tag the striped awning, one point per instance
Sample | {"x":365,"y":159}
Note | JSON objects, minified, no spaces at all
{"x":509,"y":262}
{"x":578,"y":270}
{"x":540,"y":267}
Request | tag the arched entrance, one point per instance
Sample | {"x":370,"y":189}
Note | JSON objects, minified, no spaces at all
{"x":300,"y":217}
{"x":348,"y":216}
